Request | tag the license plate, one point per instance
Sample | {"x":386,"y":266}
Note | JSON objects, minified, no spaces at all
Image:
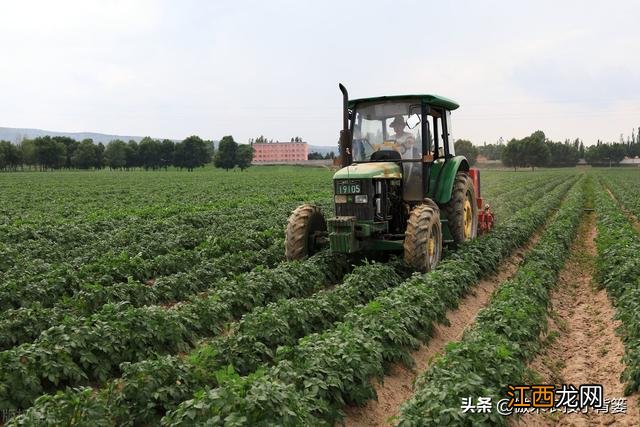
{"x":348,"y":189}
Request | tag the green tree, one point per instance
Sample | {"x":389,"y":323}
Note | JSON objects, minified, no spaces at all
{"x":99,"y":156}
{"x":512,"y":154}
{"x":191,"y":153}
{"x":563,"y":154}
{"x":167,"y":149}
{"x":491,"y":151}
{"x":465,"y":148}
{"x":28,"y":151}
{"x":131,"y":155}
{"x":535,"y":151}
{"x":49,"y":153}
{"x":71,"y":145}
{"x":225,"y":157}
{"x":10,"y":156}
{"x":115,"y":155}
{"x":149,"y":153}
{"x":244,"y":156}
{"x":85,"y":155}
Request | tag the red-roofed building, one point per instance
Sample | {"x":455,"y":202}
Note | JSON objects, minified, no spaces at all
{"x":265,"y":152}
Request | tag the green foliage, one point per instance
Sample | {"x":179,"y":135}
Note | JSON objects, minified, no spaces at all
{"x":10,"y":156}
{"x":607,"y":154}
{"x":563,"y":154}
{"x":149,"y":151}
{"x":81,"y":349}
{"x":115,"y":154}
{"x":226,"y":156}
{"x":491,"y":151}
{"x":191,"y":153}
{"x":531,"y":151}
{"x":244,"y":156}
{"x":85,"y":155}
{"x":465,"y":148}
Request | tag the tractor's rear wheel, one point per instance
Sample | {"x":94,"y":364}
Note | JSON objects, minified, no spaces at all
{"x":423,"y":238}
{"x":303,"y":227}
{"x":462,"y":209}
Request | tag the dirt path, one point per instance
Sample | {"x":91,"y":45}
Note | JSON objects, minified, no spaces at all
{"x":582,"y":347}
{"x":398,"y":382}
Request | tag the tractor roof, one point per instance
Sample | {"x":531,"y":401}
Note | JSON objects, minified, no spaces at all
{"x":437,"y":100}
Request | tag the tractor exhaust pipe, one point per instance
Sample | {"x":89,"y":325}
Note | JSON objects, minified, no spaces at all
{"x":345,"y":135}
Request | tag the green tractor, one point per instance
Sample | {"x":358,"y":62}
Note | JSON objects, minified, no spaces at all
{"x":401,"y":187}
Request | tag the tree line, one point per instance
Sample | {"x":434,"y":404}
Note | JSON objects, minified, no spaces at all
{"x":536,"y":150}
{"x":60,"y":152}
{"x":314,"y":155}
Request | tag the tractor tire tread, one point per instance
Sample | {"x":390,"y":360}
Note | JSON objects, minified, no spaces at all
{"x":297,"y":231}
{"x":417,"y":233}
{"x":454,"y":210}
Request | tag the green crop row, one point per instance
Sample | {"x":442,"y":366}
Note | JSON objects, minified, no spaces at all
{"x":505,"y":205}
{"x":624,"y":184}
{"x":618,"y":270}
{"x":72,"y":198}
{"x":48,"y":283}
{"x":150,"y":387}
{"x":505,"y":336}
{"x":312,"y":381}
{"x":22,"y":325}
{"x":85,"y":350}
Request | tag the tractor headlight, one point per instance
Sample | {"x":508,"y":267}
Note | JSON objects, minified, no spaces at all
{"x":340,"y":198}
{"x":361,"y":198}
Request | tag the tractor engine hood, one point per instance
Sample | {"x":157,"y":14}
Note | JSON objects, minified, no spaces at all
{"x":371,"y":170}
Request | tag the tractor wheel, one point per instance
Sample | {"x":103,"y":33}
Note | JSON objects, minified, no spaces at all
{"x":462,"y":209}
{"x":300,"y":237}
{"x":423,"y":238}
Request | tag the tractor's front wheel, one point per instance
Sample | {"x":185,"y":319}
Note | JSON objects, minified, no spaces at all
{"x":303,"y":228}
{"x":423,"y":238}
{"x":462,"y":209}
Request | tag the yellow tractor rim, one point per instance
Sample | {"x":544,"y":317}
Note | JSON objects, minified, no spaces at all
{"x":431,"y":246}
{"x":468,"y":219}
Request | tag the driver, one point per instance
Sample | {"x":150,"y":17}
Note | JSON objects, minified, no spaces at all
{"x":404,"y":140}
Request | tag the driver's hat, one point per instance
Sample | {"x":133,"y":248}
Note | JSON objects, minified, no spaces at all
{"x":397,"y":120}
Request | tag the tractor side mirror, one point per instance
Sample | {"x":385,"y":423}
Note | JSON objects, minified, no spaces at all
{"x":413,"y":120}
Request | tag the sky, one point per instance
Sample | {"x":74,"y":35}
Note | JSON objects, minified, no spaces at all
{"x":247,"y":68}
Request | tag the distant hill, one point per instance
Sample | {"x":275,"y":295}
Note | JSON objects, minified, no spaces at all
{"x":18,"y":134}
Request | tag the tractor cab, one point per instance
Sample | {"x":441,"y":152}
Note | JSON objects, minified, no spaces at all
{"x":411,"y":131}
{"x":401,"y":186}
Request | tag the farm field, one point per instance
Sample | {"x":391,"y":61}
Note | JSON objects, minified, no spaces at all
{"x":146,"y":298}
